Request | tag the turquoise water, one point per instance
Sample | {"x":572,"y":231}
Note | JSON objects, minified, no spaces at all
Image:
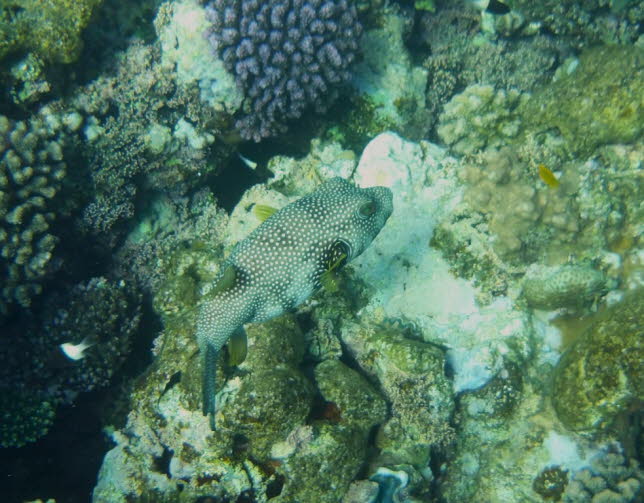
{"x":486,"y":346}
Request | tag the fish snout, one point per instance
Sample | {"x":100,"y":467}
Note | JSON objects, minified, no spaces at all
{"x":385,"y":199}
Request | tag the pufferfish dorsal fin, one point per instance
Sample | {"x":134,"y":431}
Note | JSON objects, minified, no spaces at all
{"x":237,"y":347}
{"x":263,"y":212}
{"x":337,"y":257}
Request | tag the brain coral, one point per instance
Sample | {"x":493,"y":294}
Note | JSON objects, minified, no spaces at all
{"x":285,"y":55}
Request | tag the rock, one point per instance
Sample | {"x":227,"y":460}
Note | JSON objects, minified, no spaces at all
{"x":602,"y":373}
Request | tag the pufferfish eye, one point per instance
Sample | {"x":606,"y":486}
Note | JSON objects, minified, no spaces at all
{"x":367,"y":209}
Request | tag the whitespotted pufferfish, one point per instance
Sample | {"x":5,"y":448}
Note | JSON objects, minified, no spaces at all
{"x":282,"y":262}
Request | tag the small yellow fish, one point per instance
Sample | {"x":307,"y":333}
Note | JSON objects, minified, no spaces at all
{"x":547,"y":176}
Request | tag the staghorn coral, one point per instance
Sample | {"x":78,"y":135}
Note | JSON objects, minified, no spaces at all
{"x":286,"y":55}
{"x":32,"y":170}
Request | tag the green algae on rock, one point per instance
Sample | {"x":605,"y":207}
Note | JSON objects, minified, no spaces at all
{"x":323,"y":466}
{"x":50,"y":29}
{"x":411,"y":373}
{"x":602,"y":373}
{"x":597,"y":103}
{"x":356,"y":399}
{"x":268,"y":405}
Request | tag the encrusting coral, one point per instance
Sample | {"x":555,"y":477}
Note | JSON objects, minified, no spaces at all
{"x":480,"y":117}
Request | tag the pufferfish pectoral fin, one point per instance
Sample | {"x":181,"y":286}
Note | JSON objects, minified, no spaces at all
{"x":237,"y":347}
{"x":263,"y":212}
{"x":335,"y":259}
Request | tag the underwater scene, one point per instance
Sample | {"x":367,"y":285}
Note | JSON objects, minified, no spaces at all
{"x":321,"y":251}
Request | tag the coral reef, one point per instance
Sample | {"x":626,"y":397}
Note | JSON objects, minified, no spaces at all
{"x":458,"y":56}
{"x":532,"y":221}
{"x":597,"y":101}
{"x":602,"y":373}
{"x":35,"y":37}
{"x":50,"y":30}
{"x":165,"y":251}
{"x":611,"y":477}
{"x":358,"y":403}
{"x":585,"y":23}
{"x":390,"y":87}
{"x":285,"y":56}
{"x":426,"y":192}
{"x":511,"y":450}
{"x":26,"y":416}
{"x":480,"y":117}
{"x":487,"y":347}
{"x":180,"y":27}
{"x":551,"y":483}
{"x":289,"y":457}
{"x":32,"y":170}
{"x":132,"y":140}
{"x":35,"y":372}
{"x":411,"y":375}
{"x":422,"y":370}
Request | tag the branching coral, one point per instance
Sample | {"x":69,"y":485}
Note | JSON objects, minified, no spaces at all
{"x":286,"y":55}
{"x":31,"y":174}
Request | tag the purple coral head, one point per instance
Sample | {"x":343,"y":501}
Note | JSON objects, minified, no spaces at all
{"x":286,"y":55}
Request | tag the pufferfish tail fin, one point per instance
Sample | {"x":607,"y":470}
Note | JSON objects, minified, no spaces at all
{"x":237,"y":348}
{"x":212,"y":340}
{"x":209,"y":384}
